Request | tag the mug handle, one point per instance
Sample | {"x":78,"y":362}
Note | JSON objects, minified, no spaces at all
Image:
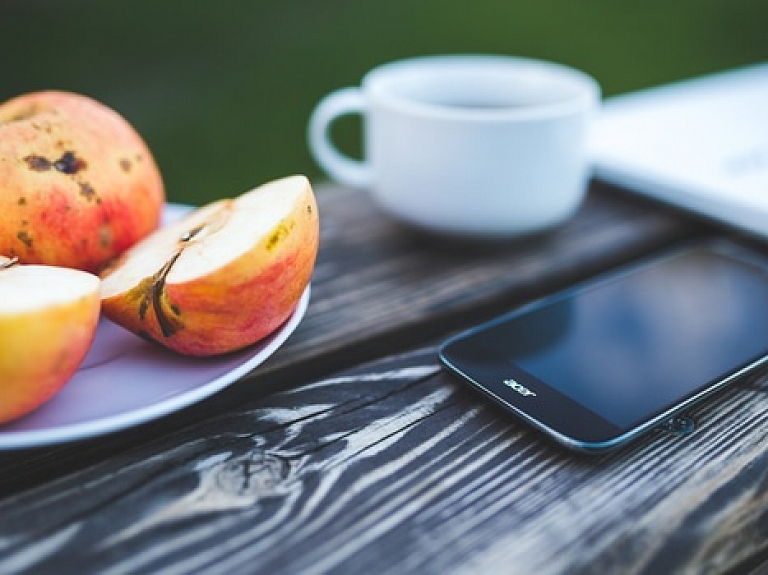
{"x":342,"y":168}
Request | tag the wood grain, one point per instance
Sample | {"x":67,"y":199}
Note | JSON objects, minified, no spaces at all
{"x":394,"y":468}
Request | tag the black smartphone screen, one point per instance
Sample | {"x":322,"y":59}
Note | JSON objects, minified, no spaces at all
{"x":626,"y":349}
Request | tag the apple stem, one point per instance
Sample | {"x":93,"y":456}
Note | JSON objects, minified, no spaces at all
{"x":168,"y":326}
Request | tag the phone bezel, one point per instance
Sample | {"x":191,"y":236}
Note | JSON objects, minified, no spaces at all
{"x":561,"y":418}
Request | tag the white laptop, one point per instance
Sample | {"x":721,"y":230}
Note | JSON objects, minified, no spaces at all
{"x":700,"y":144}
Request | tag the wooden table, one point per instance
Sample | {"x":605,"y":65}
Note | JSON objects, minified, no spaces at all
{"x":352,"y":451}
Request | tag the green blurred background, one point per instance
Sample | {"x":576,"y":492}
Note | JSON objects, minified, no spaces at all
{"x":222,"y":91}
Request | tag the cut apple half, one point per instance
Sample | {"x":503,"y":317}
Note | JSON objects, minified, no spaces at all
{"x":48,"y":318}
{"x":223,"y":277}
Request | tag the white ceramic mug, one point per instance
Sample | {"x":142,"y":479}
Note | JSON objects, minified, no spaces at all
{"x":475,"y":145}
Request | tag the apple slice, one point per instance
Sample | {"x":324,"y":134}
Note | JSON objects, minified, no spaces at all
{"x":222,"y":278}
{"x":48,"y":318}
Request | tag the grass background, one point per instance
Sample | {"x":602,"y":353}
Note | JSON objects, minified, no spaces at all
{"x":221,"y":91}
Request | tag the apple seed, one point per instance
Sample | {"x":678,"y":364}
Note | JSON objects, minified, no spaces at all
{"x":6,"y":263}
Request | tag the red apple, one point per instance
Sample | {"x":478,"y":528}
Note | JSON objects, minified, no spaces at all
{"x":78,"y":185}
{"x":48,"y":318}
{"x":223,"y":277}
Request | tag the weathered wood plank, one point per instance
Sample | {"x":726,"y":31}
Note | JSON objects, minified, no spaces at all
{"x":395,"y":468}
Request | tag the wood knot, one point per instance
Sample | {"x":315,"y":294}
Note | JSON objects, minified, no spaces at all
{"x":252,"y":474}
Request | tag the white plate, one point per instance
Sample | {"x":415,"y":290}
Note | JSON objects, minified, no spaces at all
{"x":125,"y":381}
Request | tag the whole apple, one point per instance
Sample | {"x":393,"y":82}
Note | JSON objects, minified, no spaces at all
{"x":48,"y":319}
{"x":78,"y":185}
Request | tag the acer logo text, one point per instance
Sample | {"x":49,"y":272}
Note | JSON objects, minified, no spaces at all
{"x":519,"y":388}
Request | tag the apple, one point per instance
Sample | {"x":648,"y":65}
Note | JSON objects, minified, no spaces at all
{"x":48,"y":319}
{"x":78,"y":185}
{"x":221,"y":278}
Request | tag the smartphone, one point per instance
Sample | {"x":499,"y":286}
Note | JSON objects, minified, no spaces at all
{"x":598,"y":365}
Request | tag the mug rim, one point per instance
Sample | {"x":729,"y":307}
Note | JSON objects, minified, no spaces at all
{"x":585,"y":90}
